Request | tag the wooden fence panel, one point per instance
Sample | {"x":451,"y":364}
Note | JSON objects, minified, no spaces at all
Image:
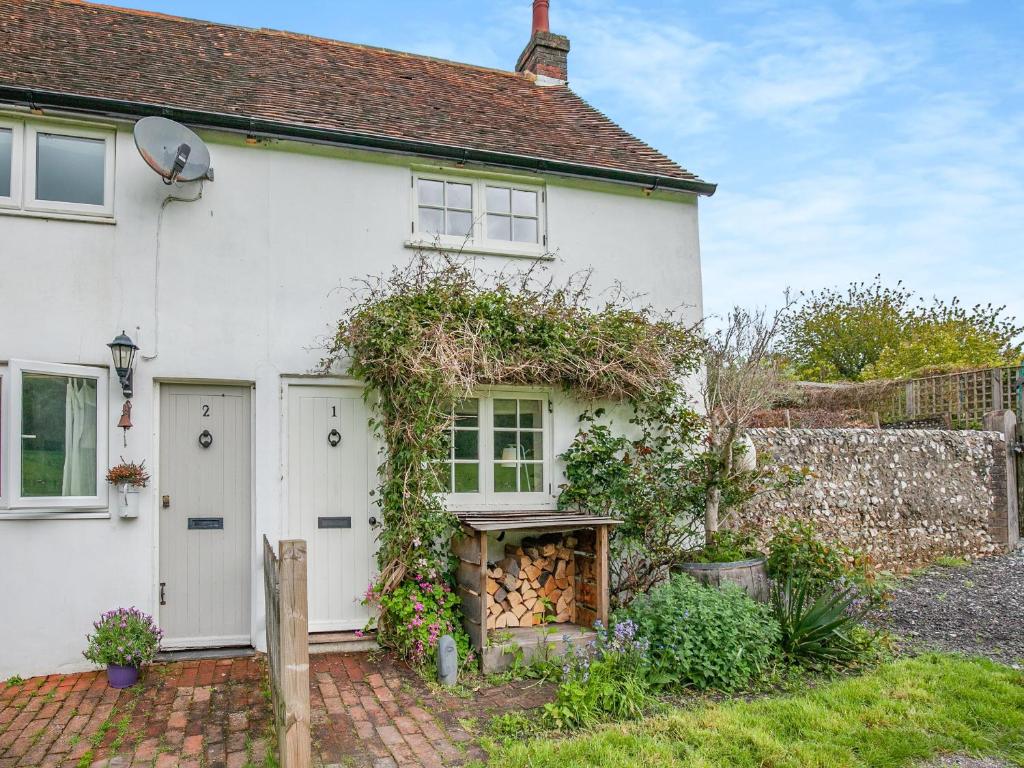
{"x":961,"y":399}
{"x":284,"y":579}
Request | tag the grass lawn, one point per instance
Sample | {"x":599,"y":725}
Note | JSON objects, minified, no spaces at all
{"x":896,"y":715}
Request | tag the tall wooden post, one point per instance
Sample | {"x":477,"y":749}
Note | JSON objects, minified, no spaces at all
{"x":601,"y":573}
{"x":1005,"y":422}
{"x":295,"y":747}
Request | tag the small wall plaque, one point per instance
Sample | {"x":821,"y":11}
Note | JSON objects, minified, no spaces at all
{"x":334,"y":522}
{"x":206,"y":523}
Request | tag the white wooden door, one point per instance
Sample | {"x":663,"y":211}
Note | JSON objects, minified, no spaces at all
{"x":205,"y":516}
{"x":332,"y":460}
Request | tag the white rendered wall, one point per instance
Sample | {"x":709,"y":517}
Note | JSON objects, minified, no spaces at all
{"x":245,"y":293}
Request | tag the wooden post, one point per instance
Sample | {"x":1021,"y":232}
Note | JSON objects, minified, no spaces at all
{"x":910,"y":405}
{"x":876,"y":419}
{"x":997,"y":390}
{"x":601,"y":573}
{"x":1005,"y":422}
{"x":482,"y":591}
{"x":295,"y":745}
{"x":789,"y":420}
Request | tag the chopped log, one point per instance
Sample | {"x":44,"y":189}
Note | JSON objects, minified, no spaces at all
{"x":511,"y":566}
{"x":511,"y":583}
{"x":560,"y":571}
{"x":511,"y":620}
{"x":501,"y":621}
{"x":515,"y":599}
{"x":519,"y":610}
{"x":548,"y":550}
{"x":492,"y":586}
{"x":496,"y":573}
{"x":499,"y":595}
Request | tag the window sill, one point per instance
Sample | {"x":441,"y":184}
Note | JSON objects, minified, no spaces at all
{"x":484,"y":250}
{"x":56,"y":216}
{"x":57,"y":514}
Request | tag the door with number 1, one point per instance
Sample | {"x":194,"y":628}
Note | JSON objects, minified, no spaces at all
{"x":332,"y":461}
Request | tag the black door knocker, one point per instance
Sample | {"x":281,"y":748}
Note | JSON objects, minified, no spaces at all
{"x":334,"y":438}
{"x":205,"y":438}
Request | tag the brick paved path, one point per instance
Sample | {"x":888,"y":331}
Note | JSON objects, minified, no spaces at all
{"x":368,"y":710}
{"x":190,"y":714}
{"x":373,"y":712}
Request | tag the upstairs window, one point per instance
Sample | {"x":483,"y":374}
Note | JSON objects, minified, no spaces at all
{"x":512,"y":214}
{"x":66,"y":170}
{"x":479,"y":215}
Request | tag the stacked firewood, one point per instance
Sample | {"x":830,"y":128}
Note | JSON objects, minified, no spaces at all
{"x":534,"y":583}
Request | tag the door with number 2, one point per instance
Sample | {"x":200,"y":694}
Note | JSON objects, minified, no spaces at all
{"x":332,"y":461}
{"x":205,"y":517}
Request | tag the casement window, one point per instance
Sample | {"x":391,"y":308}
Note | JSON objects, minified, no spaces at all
{"x":500,"y":451}
{"x":56,"y":168}
{"x":479,"y":214}
{"x":54,"y":448}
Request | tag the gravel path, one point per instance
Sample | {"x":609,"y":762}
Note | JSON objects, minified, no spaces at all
{"x":976,"y":610}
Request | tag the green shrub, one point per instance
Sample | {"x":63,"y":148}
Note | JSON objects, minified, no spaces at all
{"x":797,"y":551}
{"x":607,"y":680}
{"x":704,"y":637}
{"x":727,"y":546}
{"x":422,"y":611}
{"x":816,"y":629}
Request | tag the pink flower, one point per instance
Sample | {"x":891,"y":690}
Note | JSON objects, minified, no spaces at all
{"x":418,"y":607}
{"x":359,"y":633}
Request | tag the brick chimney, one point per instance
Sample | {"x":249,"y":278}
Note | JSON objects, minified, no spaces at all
{"x":546,"y":55}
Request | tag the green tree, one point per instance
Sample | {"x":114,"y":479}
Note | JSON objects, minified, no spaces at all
{"x":833,"y":335}
{"x":870,"y":331}
{"x":943,"y":338}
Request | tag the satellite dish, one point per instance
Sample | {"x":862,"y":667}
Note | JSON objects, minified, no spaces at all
{"x":172,"y":150}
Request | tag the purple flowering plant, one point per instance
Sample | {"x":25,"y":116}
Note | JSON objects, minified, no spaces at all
{"x":420,"y":611}
{"x":608,"y":678}
{"x":126,"y":637}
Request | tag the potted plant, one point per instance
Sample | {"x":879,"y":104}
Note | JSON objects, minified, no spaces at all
{"x":128,"y":478}
{"x":125,"y":639}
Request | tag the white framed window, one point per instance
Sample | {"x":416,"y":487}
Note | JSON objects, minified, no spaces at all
{"x":55,"y":436}
{"x":69,"y":170}
{"x":491,"y":215}
{"x":513,"y":214}
{"x":58,"y":168}
{"x":11,"y":153}
{"x":500,"y":451}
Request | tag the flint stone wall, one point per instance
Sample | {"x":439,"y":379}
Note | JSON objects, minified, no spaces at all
{"x":902,"y":496}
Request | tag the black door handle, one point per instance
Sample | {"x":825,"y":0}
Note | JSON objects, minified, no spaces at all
{"x":373,"y":521}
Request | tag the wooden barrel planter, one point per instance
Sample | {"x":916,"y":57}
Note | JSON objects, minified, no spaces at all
{"x":749,"y":575}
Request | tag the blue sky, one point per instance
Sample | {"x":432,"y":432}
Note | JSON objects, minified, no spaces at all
{"x":847,"y":138}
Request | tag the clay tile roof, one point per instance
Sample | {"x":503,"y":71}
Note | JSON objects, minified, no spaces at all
{"x":79,"y":49}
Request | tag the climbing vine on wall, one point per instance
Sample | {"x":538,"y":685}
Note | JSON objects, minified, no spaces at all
{"x":426,"y":335}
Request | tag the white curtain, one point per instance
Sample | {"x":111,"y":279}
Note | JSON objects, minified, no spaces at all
{"x":80,"y":438}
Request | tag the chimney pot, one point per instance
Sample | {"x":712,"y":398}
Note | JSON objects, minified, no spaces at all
{"x":540,"y":16}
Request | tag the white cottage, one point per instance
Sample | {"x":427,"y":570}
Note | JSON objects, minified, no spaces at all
{"x":332,"y":160}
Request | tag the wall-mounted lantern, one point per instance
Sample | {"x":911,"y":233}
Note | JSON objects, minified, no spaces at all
{"x":123,"y":350}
